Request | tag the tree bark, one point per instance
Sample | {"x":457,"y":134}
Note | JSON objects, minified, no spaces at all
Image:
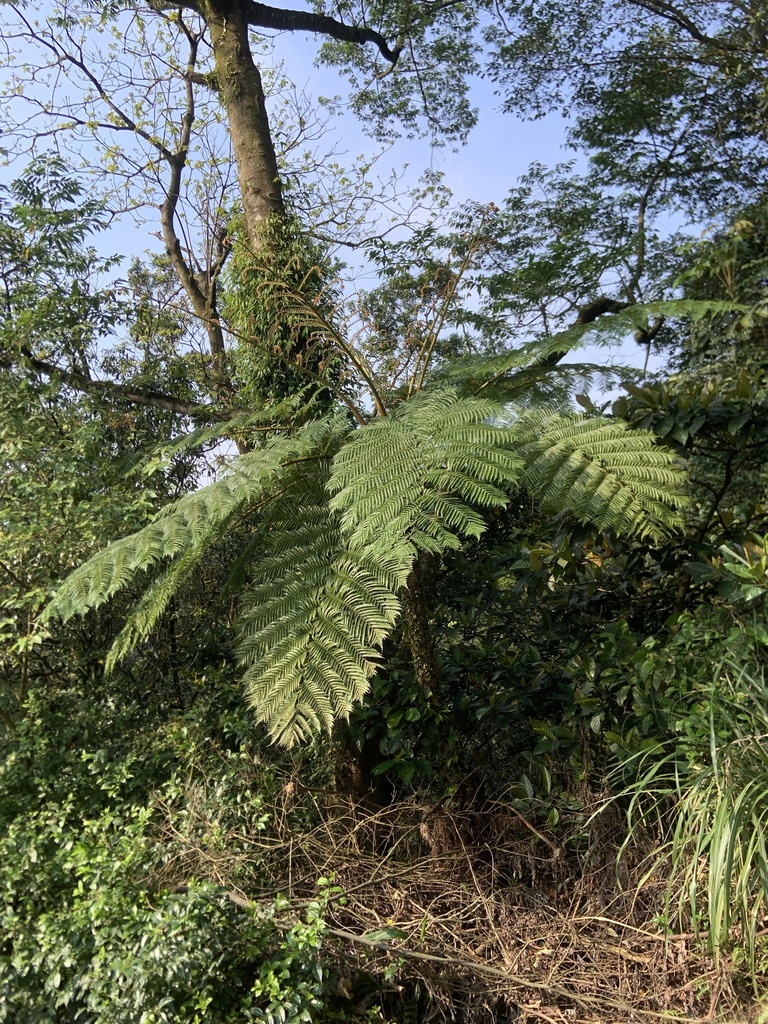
{"x":242,"y":93}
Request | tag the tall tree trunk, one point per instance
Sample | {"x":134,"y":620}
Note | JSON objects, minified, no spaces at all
{"x":241,"y":90}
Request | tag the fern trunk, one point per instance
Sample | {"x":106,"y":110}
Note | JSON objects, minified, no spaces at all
{"x":418,"y":627}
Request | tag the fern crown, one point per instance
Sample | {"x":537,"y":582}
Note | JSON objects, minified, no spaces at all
{"x":339,"y":515}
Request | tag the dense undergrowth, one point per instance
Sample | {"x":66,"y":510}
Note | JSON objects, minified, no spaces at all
{"x":163,"y":864}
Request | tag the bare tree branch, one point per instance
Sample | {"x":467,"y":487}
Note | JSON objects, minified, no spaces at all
{"x":266,"y":16}
{"x":201,"y":289}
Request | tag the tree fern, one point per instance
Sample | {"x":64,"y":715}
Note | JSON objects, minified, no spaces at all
{"x":341,"y":514}
{"x":601,"y":472}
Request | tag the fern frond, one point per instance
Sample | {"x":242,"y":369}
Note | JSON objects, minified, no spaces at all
{"x":410,"y":480}
{"x":245,"y":424}
{"x":189,"y":525}
{"x":602,"y":472}
{"x":313,"y":625}
{"x":150,"y":608}
{"x":470,"y":372}
{"x":523,"y":374}
{"x":305,"y":314}
{"x":549,"y":385}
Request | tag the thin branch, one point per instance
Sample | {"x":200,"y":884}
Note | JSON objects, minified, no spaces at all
{"x":126,"y":122}
{"x":428,"y":347}
{"x":668,"y":11}
{"x":16,"y":579}
{"x":9,"y":722}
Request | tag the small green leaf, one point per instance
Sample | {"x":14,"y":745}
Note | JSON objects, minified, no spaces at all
{"x":385,"y":934}
{"x":758,"y":632}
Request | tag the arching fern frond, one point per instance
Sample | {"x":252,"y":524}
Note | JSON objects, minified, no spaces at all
{"x":601,"y":472}
{"x":415,"y":479}
{"x":312,"y":627}
{"x":530,"y":371}
{"x":183,"y":530}
{"x":244,"y":426}
{"x":151,"y":606}
{"x":548,"y":385}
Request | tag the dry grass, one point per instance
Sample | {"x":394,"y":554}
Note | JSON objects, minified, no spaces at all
{"x":503,"y":920}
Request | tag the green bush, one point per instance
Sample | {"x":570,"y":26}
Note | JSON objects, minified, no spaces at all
{"x":92,"y":929}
